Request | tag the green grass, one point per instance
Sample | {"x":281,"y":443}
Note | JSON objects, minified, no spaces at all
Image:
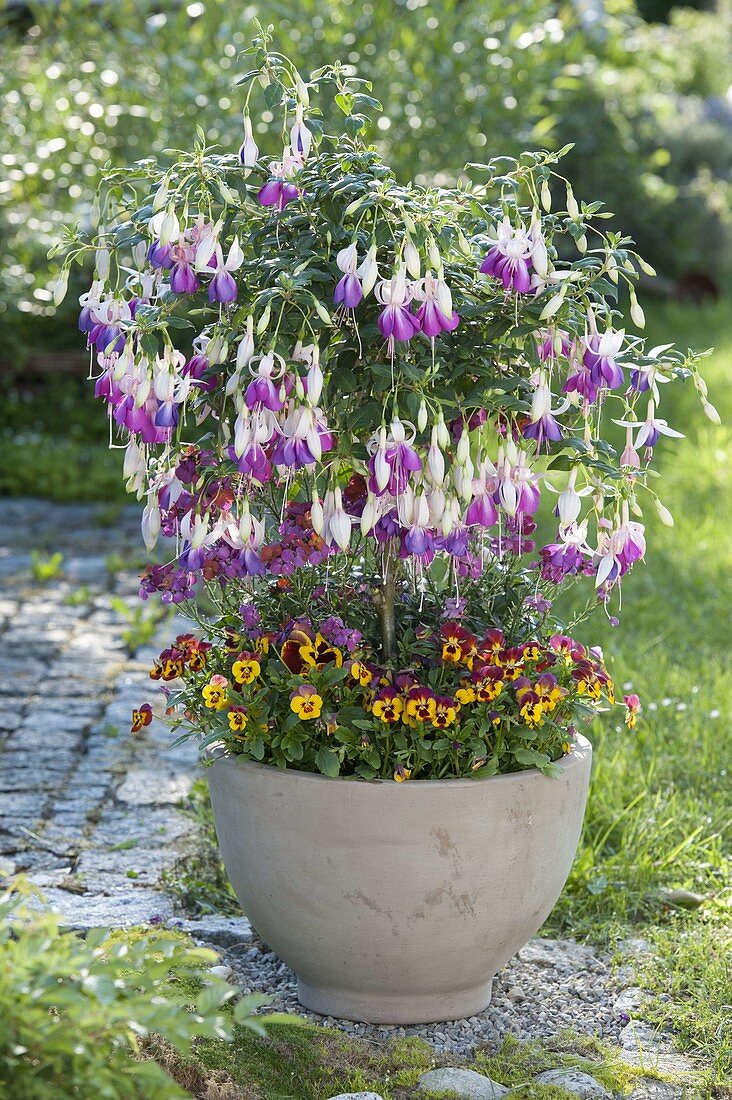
{"x":659,"y":814}
{"x":304,"y":1062}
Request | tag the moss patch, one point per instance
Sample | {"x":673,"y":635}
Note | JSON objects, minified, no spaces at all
{"x":305,"y":1062}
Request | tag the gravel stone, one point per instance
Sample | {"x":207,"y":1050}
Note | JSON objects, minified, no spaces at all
{"x":649,"y":1089}
{"x":464,"y":1083}
{"x":574,"y":1080}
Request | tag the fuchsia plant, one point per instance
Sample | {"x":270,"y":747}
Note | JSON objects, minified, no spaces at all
{"x":342,"y":401}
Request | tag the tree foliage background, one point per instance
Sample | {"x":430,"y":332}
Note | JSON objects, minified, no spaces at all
{"x":648,"y":106}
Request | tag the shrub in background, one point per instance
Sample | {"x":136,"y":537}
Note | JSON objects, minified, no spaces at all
{"x":126,"y":81}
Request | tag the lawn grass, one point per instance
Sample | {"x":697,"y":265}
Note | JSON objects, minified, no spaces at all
{"x":659,"y":815}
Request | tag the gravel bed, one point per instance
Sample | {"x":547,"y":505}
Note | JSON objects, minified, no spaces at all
{"x":550,"y":987}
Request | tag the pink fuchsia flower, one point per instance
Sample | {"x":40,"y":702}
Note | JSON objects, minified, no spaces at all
{"x":392,"y":460}
{"x":552,"y":343}
{"x":511,"y":257}
{"x":566,"y":557}
{"x":619,"y":549}
{"x":569,"y":503}
{"x":395,"y":320}
{"x":599,"y":357}
{"x":482,"y":511}
{"x":183,"y":279}
{"x":436,"y":314}
{"x":248,"y":150}
{"x":348,"y":291}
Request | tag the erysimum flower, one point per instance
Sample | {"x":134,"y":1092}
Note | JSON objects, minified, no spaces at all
{"x":306,"y":703}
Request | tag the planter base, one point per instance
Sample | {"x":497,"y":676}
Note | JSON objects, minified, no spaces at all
{"x":394,"y":1008}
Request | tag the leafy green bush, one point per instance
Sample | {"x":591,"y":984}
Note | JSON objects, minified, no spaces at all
{"x":74,"y":1012}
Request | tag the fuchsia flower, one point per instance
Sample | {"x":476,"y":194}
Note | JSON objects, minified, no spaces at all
{"x":222,"y":287}
{"x":348,"y":292}
{"x":436,"y":314}
{"x":619,"y":548}
{"x":650,"y":429}
{"x":543,"y":426}
{"x":599,"y":358}
{"x":262,"y":389}
{"x":513,"y":254}
{"x":395,"y":320}
{"x":392,"y":460}
{"x":482,"y":511}
{"x":183,"y":279}
{"x":278,"y":190}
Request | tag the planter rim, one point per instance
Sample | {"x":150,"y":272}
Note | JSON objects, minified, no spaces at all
{"x":581,"y":748}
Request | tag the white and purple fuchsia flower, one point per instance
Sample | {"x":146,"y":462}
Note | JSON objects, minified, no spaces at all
{"x":222,"y":287}
{"x":543,"y":425}
{"x":170,"y":386}
{"x":618,"y":549}
{"x":598,"y":368}
{"x":568,"y":556}
{"x":514,"y":253}
{"x":482,"y":511}
{"x":569,"y":503}
{"x":396,"y":322}
{"x":279,"y":190}
{"x":517,"y":491}
{"x":649,"y":430}
{"x":266,"y":389}
{"x":304,"y":437}
{"x":436,"y":314}
{"x":348,"y":291}
{"x":393,"y":460}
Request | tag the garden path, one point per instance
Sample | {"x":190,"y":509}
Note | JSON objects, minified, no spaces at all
{"x":90,"y":811}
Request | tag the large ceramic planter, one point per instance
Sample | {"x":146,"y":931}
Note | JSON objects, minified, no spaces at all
{"x":397,"y":902}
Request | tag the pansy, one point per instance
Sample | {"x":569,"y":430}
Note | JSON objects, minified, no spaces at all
{"x":446,"y":712}
{"x":306,"y":703}
{"x":457,"y":642}
{"x":237,"y":718}
{"x":388,"y":705}
{"x":633,"y":708}
{"x":215,"y":692}
{"x":141,"y":717}
{"x":246,"y":668}
{"x":421,"y":704}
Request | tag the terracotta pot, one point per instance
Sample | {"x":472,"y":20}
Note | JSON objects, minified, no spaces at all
{"x":397,"y":902}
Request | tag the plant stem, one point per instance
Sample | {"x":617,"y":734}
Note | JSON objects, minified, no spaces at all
{"x":386,"y":603}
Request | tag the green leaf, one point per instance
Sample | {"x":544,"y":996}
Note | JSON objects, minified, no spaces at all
{"x":327,"y":762}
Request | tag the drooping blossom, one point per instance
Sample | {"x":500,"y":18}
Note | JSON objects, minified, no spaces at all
{"x":543,"y":425}
{"x":395,"y":320}
{"x":512,"y":255}
{"x":222,"y":287}
{"x":650,"y":429}
{"x":393,"y":459}
{"x":348,"y":291}
{"x":436,"y":314}
{"x":279,"y":190}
